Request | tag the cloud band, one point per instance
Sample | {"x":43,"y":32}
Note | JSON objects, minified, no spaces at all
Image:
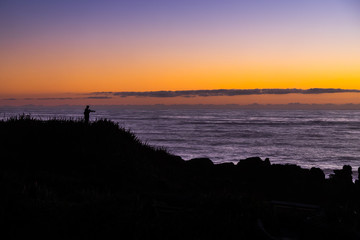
{"x":224,"y":92}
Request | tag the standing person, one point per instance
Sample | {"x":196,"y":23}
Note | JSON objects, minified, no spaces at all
{"x":87,"y":112}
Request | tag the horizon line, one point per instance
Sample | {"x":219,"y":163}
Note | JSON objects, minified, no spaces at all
{"x":292,"y":105}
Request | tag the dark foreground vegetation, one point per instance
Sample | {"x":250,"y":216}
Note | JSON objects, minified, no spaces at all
{"x":62,"y":179}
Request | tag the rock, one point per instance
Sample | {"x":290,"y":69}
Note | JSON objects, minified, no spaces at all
{"x":225,"y":166}
{"x":343,"y":176}
{"x":253,"y":162}
{"x":317,"y":175}
{"x":200,"y":163}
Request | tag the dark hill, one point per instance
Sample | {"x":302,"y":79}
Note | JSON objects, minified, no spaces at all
{"x":64,"y":179}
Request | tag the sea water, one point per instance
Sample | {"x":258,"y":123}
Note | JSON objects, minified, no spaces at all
{"x":327,"y":139}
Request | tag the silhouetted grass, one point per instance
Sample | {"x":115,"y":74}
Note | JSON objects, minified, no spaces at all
{"x":65,"y":179}
{"x":75,"y":177}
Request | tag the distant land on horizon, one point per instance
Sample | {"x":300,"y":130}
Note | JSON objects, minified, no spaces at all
{"x":254,"y":106}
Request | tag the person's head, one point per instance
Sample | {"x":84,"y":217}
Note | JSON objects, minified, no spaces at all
{"x":87,"y":106}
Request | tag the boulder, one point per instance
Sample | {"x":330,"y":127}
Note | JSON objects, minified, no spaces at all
{"x":200,"y":163}
{"x":253,"y":163}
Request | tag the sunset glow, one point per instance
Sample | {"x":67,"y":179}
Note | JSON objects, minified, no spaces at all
{"x":93,"y":46}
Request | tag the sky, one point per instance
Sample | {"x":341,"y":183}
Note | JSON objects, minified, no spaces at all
{"x":60,"y":51}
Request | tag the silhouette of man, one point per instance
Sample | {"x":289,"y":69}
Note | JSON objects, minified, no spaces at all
{"x":87,"y":112}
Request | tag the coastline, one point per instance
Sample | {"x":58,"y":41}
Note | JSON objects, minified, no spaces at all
{"x":95,"y":179}
{"x":325,"y":139}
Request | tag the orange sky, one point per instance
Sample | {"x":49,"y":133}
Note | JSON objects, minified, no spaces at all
{"x":46,"y":50}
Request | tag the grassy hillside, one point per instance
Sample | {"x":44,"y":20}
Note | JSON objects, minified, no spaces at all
{"x":56,"y":174}
{"x":64,"y":179}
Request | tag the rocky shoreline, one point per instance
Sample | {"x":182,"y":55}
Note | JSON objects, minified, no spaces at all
{"x":64,"y":179}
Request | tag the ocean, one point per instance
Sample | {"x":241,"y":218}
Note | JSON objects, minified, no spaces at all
{"x":327,"y":139}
